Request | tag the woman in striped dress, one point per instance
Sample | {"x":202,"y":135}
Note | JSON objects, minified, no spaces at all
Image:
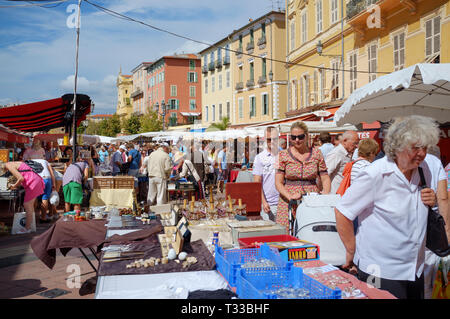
{"x":298,"y":168}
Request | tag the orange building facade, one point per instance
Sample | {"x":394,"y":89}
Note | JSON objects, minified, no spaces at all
{"x":175,"y":81}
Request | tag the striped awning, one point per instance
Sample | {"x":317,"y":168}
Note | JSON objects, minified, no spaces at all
{"x":45,"y":115}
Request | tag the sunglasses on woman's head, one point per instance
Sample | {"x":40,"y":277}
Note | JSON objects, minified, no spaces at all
{"x":298,"y":137}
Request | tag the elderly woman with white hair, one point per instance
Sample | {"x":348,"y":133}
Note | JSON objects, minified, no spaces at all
{"x":388,"y":250}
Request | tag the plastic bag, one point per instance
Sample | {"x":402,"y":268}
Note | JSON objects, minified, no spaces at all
{"x":54,"y":198}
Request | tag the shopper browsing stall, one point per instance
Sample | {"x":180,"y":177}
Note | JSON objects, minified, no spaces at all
{"x":264,"y":172}
{"x":48,"y":176}
{"x":185,"y":169}
{"x":158,"y":167}
{"x":392,"y":211}
{"x":31,"y":182}
{"x":73,"y":179}
{"x":298,"y":168}
{"x":35,"y":151}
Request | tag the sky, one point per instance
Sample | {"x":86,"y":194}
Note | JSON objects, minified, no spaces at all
{"x":38,"y":43}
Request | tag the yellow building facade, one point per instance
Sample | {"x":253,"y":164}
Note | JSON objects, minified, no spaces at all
{"x":259,"y":79}
{"x":374,"y":38}
{"x":124,"y":86}
{"x":217,"y":89}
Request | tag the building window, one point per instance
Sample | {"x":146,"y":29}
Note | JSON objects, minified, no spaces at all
{"x":353,"y":71}
{"x":173,"y":90}
{"x":433,"y":37}
{"x":219,"y":54}
{"x":263,"y":30}
{"x":241,"y":74}
{"x":304,"y":27}
{"x":192,"y":77}
{"x":220,"y":82}
{"x":335,"y":79}
{"x":240,"y":43}
{"x":211,"y":57}
{"x":220,"y":112}
{"x":292,"y":43}
{"x":192,"y":105}
{"x":205,"y":61}
{"x":265,"y":103}
{"x":213,"y":84}
{"x":251,"y":36}
{"x":241,"y":108}
{"x":192,"y":91}
{"x":252,"y":71}
{"x":173,"y":104}
{"x":228,"y":79}
{"x":228,"y":110}
{"x":206,"y":114}
{"x":315,"y":92}
{"x":399,"y":51}
{"x":372,"y":62}
{"x":318,"y":16}
{"x":213,"y":110}
{"x":307,"y":90}
{"x":206,"y":86}
{"x":263,"y":67}
{"x":252,"y":102}
{"x":192,"y":65}
{"x":173,"y":119}
{"x":334,"y":11}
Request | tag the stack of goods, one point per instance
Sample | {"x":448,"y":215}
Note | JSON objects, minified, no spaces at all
{"x":230,"y":261}
{"x":270,"y":283}
{"x":213,"y":209}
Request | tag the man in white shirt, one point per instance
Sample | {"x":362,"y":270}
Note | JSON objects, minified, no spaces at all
{"x":264,"y":172}
{"x":339,"y":156}
{"x":159,"y":167}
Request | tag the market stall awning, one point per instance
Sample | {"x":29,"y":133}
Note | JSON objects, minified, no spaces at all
{"x":45,"y":115}
{"x":189,"y":114}
{"x":13,"y":136}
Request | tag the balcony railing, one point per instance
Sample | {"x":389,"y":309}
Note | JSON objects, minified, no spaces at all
{"x":239,"y":52}
{"x":212,"y":66}
{"x":218,"y":63}
{"x":250,"y":46}
{"x":226,"y":60}
{"x":239,"y":86}
{"x":250,"y":83}
{"x":262,"y":79}
{"x":262,"y":41}
{"x":354,"y":7}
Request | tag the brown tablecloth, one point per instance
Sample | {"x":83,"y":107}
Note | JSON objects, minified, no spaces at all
{"x":152,"y":248}
{"x":65,"y":235}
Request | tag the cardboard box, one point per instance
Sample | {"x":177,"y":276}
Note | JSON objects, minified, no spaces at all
{"x":298,"y":250}
{"x":243,"y":229}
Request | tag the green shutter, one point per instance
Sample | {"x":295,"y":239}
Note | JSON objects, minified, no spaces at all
{"x":178,"y":104}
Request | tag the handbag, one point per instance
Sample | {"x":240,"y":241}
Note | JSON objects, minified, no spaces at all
{"x":436,"y":239}
{"x":191,"y":178}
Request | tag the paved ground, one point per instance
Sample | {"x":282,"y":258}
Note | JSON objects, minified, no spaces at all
{"x":23,"y":276}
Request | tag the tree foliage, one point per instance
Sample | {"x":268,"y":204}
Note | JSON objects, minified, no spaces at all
{"x":150,"y":122}
{"x":222,"y":126}
{"x":132,"y":125}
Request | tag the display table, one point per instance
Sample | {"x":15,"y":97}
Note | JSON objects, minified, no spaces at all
{"x":158,"y":286}
{"x":14,"y":198}
{"x":117,"y":198}
{"x":349,"y":284}
{"x":65,"y":235}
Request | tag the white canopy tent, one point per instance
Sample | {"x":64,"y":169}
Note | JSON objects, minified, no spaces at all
{"x":421,"y":89}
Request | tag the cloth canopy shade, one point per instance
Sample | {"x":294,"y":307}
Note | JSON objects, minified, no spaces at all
{"x":45,"y":115}
{"x":421,"y":89}
{"x":13,"y":136}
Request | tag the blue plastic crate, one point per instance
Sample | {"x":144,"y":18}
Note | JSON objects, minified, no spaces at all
{"x":258,"y":284}
{"x":229,"y":261}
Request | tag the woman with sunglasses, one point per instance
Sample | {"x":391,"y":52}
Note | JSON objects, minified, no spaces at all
{"x":298,"y":168}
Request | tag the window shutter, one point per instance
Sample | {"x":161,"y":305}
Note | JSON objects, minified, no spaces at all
{"x":428,"y":38}
{"x":177,"y":104}
{"x":437,"y":32}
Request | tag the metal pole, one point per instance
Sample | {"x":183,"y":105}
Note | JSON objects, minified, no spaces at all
{"x":74,"y":114}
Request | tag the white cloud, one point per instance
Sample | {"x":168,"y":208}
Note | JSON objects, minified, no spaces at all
{"x":37,"y":60}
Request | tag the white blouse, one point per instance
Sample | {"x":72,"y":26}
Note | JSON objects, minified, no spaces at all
{"x":392,"y":220}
